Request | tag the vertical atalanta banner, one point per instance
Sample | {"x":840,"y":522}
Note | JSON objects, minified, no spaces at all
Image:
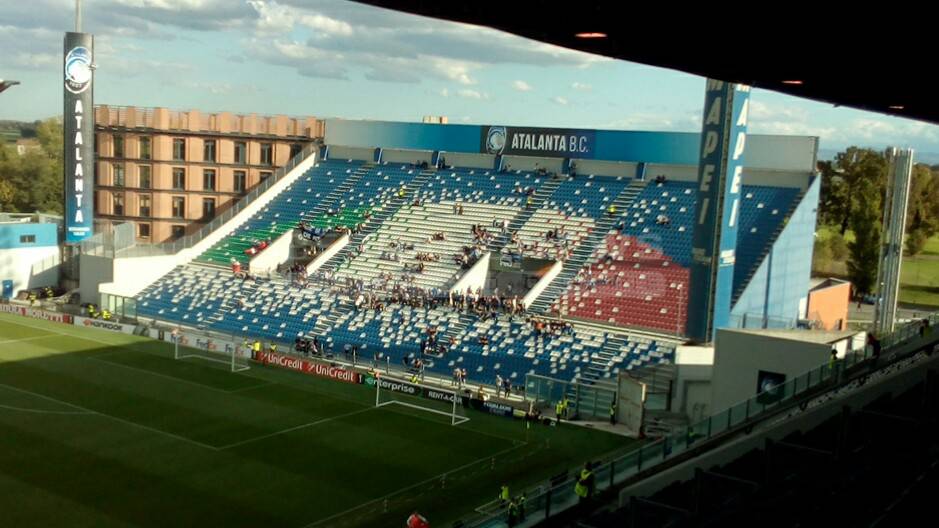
{"x":78,"y":126}
{"x":723,"y":141}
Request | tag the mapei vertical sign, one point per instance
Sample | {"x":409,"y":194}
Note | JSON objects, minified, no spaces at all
{"x":720,"y":173}
{"x":78,"y":69}
{"x":524,"y":141}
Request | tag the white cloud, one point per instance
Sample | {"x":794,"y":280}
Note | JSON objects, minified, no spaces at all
{"x":559,"y":100}
{"x":472,"y":94}
{"x":583,"y":87}
{"x":521,"y":86}
{"x":445,"y":92}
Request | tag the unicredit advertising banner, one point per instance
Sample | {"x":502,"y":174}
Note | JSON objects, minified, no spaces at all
{"x":79,"y":141}
{"x":525,"y":141}
{"x":308,"y":367}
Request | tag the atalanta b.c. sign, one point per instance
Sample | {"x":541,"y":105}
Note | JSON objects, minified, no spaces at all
{"x":78,"y":69}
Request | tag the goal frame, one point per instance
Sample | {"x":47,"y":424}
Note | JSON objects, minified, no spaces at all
{"x":229,"y":362}
{"x":455,"y":419}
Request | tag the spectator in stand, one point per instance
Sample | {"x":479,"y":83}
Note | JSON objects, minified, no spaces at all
{"x":498,"y":385}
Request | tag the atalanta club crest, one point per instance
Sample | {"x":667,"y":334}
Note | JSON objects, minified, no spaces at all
{"x":78,"y":70}
{"x":495,"y":140}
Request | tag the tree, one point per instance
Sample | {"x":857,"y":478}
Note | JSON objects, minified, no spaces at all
{"x":36,"y":177}
{"x":865,"y":250}
{"x":838,"y":247}
{"x":922,"y":220}
{"x":851,"y":167}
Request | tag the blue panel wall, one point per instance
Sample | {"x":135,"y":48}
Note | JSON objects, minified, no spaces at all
{"x":772,"y":297}
{"x":45,"y":234}
{"x":795,"y":153}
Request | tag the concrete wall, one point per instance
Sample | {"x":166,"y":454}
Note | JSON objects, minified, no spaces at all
{"x":543,"y":283}
{"x":28,"y":254}
{"x":328,"y":253}
{"x":525,"y":163}
{"x":461,"y":159}
{"x":691,"y":392}
{"x":739,"y":355}
{"x":475,"y":277}
{"x":406,"y":156}
{"x":25,"y":267}
{"x":340,"y":152}
{"x":605,"y":168}
{"x":274,"y":255}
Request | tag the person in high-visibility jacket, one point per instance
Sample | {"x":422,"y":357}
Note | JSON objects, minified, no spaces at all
{"x":257,"y":349}
{"x":559,"y":410}
{"x":584,"y":486}
{"x":106,"y":315}
{"x":611,"y":210}
{"x":274,"y":347}
{"x":417,"y":520}
{"x":504,"y":495}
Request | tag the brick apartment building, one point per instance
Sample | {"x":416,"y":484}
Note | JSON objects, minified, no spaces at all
{"x":171,"y":171}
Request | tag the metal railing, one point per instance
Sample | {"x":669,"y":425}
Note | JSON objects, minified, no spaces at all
{"x":545,"y":499}
{"x":188,"y":241}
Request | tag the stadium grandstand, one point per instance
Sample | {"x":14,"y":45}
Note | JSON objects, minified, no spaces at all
{"x":471,"y":326}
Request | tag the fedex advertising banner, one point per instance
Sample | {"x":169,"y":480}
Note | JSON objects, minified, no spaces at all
{"x":527,"y":141}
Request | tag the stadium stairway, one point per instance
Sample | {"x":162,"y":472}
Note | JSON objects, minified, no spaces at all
{"x":332,"y":197}
{"x":541,"y":196}
{"x":378,"y":217}
{"x":583,"y":252}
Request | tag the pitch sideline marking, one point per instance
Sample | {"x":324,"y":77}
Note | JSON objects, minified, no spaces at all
{"x":115,"y":418}
{"x":297,"y":427}
{"x":11,"y":341}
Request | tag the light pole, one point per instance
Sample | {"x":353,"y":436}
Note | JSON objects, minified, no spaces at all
{"x":6,"y":84}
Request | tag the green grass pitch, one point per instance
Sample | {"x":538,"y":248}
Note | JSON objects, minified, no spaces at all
{"x":101,"y":429}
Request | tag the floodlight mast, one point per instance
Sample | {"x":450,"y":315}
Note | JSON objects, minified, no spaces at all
{"x":78,"y":16}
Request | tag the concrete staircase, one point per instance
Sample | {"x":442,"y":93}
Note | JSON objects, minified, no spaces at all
{"x":540,"y":197}
{"x":378,"y":217}
{"x":584,"y":251}
{"x":321,"y":208}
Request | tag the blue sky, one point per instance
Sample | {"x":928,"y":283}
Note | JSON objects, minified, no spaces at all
{"x":332,"y":58}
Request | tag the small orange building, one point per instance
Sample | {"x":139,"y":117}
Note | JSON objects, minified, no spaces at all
{"x":828,"y":303}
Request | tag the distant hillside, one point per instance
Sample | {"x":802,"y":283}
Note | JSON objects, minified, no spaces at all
{"x":10,"y":131}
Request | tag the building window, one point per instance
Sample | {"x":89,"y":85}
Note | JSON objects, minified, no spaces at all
{"x":143,"y":172}
{"x":179,"y":149}
{"x":118,"y":209}
{"x":241,"y":181}
{"x":179,"y":178}
{"x":265,"y":175}
{"x":179,"y":207}
{"x":145,"y":205}
{"x":143,"y":230}
{"x":177,"y":231}
{"x":145,"y":148}
{"x":267,"y":154}
{"x":118,"y":174}
{"x":208,"y":179}
{"x":118,"y":146}
{"x":208,"y":150}
{"x":241,"y":152}
{"x":27,"y":239}
{"x":208,"y":208}
{"x":295,"y":149}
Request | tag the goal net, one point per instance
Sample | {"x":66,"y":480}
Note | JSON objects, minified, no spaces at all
{"x":231,"y":355}
{"x":444,"y":403}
